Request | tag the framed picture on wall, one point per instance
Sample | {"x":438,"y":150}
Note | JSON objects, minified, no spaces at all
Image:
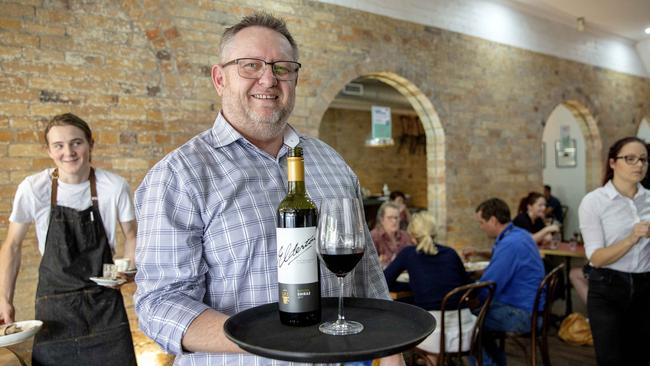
{"x":565,"y":154}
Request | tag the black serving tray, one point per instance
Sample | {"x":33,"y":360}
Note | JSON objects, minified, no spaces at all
{"x":389,"y":327}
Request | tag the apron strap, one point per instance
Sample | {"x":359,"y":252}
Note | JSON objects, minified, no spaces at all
{"x":55,"y":186}
{"x":93,"y":187}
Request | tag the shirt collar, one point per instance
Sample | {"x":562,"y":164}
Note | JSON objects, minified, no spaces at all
{"x":503,"y":233}
{"x":224,"y":134}
{"x":611,"y":192}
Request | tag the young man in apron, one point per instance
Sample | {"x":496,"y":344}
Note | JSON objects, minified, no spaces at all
{"x":76,"y":209}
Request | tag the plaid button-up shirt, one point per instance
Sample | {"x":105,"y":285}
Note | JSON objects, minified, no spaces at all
{"x":206,"y":233}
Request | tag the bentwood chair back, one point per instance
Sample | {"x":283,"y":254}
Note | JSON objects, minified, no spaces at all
{"x":538,"y":335}
{"x":462,"y":297}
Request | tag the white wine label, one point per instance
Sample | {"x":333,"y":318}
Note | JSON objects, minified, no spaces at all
{"x":297,"y":260}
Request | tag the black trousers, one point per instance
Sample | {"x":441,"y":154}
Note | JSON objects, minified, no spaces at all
{"x":619,"y":314}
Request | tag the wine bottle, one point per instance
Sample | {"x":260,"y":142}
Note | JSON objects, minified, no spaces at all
{"x":298,"y":269}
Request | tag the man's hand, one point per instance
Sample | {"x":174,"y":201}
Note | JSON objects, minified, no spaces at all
{"x":7,"y":314}
{"x":468,"y":252}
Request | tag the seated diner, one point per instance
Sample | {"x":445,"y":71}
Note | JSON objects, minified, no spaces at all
{"x":531,"y":215}
{"x":386,"y":234}
{"x":434,"y":270}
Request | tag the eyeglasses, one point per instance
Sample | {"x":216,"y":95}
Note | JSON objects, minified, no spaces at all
{"x":633,"y":159}
{"x":253,"y":68}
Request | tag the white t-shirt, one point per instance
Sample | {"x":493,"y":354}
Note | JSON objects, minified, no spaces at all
{"x":607,"y":217}
{"x":32,"y":201}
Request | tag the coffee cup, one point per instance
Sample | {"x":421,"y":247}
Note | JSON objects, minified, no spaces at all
{"x":122,"y":264}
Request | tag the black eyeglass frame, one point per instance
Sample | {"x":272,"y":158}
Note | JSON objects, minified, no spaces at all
{"x":628,"y":159}
{"x":272,"y":64}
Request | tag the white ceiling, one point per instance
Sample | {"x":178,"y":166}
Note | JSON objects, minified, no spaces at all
{"x":625,"y":18}
{"x":613,"y":37}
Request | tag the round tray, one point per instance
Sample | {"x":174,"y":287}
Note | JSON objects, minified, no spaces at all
{"x":389,"y":327}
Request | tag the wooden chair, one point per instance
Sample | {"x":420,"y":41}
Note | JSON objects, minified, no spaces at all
{"x":538,"y":337}
{"x":467,"y":297}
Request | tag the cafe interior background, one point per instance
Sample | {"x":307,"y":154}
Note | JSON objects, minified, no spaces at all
{"x":486,"y":98}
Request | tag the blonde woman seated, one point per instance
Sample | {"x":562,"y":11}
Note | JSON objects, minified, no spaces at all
{"x":433,"y":270}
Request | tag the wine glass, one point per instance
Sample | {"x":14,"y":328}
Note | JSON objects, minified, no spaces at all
{"x":341,"y":242}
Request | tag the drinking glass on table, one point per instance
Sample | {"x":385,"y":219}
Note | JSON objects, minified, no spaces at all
{"x":555,"y":240}
{"x":341,"y":242}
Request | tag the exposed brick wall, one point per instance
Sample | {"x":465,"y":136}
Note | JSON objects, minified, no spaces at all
{"x":138,"y":71}
{"x":401,"y":166}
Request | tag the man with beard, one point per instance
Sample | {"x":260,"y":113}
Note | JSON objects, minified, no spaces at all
{"x":206,"y":243}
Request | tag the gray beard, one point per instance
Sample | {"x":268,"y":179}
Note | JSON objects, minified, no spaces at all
{"x":266,"y":128}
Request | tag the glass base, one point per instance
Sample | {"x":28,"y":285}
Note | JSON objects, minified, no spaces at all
{"x":345,"y":327}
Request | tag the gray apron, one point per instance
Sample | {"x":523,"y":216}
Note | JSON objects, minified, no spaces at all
{"x":84,"y":324}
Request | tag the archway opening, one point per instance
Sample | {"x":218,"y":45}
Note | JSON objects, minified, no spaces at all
{"x":643,"y":131}
{"x":571,"y":161}
{"x":414,"y":164}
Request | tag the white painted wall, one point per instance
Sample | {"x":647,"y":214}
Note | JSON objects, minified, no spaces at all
{"x":644,"y":130}
{"x":643,"y":48}
{"x":509,"y":23}
{"x":567,"y":184}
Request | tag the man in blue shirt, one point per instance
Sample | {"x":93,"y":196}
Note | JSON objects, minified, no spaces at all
{"x":517,"y":269}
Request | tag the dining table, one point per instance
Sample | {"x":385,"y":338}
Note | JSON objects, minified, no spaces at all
{"x":567,"y":251}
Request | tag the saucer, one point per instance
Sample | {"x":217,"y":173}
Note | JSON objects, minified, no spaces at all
{"x":129,"y":272}
{"x":107,"y":281}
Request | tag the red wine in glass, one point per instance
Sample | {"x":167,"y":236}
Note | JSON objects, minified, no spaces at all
{"x":342,"y":260}
{"x":341,"y":240}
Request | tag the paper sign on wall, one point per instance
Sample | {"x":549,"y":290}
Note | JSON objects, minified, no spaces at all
{"x":381,"y":125}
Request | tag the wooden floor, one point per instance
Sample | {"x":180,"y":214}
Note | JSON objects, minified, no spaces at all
{"x":562,"y":354}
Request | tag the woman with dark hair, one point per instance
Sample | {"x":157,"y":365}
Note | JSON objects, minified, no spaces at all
{"x":532,"y":209}
{"x":615,"y":225}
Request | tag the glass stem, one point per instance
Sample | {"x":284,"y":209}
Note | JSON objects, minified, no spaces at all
{"x":341,"y":318}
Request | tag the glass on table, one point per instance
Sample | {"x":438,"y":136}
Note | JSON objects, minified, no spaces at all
{"x":555,"y":240}
{"x":341,"y":241}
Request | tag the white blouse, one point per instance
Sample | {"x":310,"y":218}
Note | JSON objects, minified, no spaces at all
{"x":607,"y":217}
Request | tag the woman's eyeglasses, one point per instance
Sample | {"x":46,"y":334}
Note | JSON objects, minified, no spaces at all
{"x":633,"y":159}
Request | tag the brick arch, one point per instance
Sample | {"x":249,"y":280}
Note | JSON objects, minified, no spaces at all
{"x":435,"y":147}
{"x":593,"y":141}
{"x":644,"y":114}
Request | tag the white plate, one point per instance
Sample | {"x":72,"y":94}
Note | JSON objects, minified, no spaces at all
{"x":476,"y":266}
{"x":403,"y":277}
{"x":29,"y":328}
{"x":107,"y":281}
